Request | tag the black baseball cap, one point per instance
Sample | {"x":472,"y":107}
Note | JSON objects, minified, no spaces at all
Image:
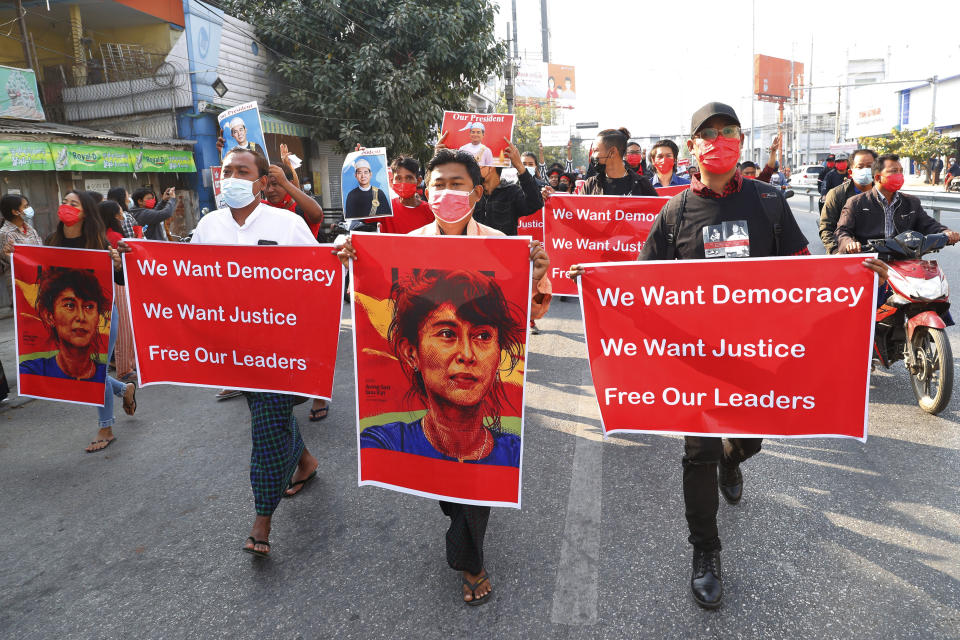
{"x":709,"y":110}
{"x":831,"y":157}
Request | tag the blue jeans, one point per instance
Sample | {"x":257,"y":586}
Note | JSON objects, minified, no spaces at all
{"x":113,"y":387}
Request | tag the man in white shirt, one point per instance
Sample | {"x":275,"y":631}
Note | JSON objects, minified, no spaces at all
{"x":475,"y":147}
{"x":280,"y":465}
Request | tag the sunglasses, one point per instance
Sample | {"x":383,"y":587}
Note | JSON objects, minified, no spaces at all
{"x":711,"y":133}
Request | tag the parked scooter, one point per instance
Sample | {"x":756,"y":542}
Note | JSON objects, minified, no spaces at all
{"x":911,"y":322}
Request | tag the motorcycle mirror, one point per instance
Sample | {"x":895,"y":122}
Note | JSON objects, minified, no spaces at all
{"x":788,"y":193}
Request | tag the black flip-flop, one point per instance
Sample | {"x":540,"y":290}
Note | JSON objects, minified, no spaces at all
{"x":475,"y":601}
{"x":304,"y":482}
{"x":109,"y":442}
{"x":317,"y":416}
{"x":253,"y":550}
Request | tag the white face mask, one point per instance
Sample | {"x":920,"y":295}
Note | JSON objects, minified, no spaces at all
{"x":863,"y":176}
{"x":28,"y":213}
{"x":236,"y":192}
{"x":531,"y":170}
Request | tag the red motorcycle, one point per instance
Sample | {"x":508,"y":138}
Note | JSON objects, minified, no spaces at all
{"x":911,"y":322}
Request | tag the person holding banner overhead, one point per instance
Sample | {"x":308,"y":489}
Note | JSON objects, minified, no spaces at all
{"x":745,"y":218}
{"x":280,"y":464}
{"x":454,"y":187}
{"x":365,"y":200}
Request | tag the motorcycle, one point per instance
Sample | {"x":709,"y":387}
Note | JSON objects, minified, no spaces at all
{"x":911,"y":323}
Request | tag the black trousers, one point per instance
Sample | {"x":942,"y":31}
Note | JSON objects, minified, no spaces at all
{"x":700,"y":490}
{"x":468,"y":524}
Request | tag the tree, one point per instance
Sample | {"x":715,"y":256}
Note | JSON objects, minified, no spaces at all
{"x":528,"y":117}
{"x":377,"y":73}
{"x":920,"y":145}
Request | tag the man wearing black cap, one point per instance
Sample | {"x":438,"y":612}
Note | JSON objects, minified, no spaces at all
{"x":827,"y":167}
{"x":834,"y":177}
{"x":719,"y":202}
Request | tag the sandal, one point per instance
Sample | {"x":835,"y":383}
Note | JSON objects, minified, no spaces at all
{"x":130,"y":407}
{"x":475,"y":601}
{"x":253,"y":550}
{"x":300,"y":483}
{"x":108,"y":443}
{"x":316,"y":415}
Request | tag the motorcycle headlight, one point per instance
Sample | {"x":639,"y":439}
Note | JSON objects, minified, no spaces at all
{"x":897,"y":300}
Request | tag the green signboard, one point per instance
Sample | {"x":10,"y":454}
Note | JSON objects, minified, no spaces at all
{"x":19,"y":86}
{"x":84,"y":157}
{"x":162,"y":160}
{"x":42,"y":156}
{"x":25,"y":156}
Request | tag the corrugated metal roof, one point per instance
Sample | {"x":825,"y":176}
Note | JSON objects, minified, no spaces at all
{"x":9,"y":126}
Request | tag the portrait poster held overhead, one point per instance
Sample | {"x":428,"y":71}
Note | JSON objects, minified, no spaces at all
{"x":62,"y":303}
{"x":732,"y":347}
{"x":365,"y":186}
{"x":479,"y":134}
{"x":253,"y":318}
{"x":240,"y":126}
{"x":580,"y":229}
{"x":440,"y":353}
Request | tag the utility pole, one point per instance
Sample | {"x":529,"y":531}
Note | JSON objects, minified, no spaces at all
{"x":753,"y":75}
{"x":933,"y":101}
{"x":809,"y":82}
{"x":23,"y":35}
{"x":836,"y":133}
{"x":516,"y":47}
{"x":508,"y":76}
{"x":544,"y":30}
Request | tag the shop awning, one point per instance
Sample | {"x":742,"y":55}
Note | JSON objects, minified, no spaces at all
{"x":21,"y":155}
{"x":279,"y":126}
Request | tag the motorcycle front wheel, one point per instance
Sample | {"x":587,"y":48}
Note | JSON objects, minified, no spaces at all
{"x":933,"y":380}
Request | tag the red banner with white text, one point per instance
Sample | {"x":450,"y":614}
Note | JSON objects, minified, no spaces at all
{"x":672,"y":190}
{"x":756,"y":347}
{"x":62,"y":307}
{"x":531,"y":226}
{"x":581,"y":229}
{"x":440,"y":330}
{"x":254,"y":318}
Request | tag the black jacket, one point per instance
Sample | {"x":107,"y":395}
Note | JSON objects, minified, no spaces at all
{"x":503,"y":208}
{"x":833,"y":178}
{"x":640,"y":186}
{"x":862,"y":218}
{"x":830,"y":213}
{"x":152,"y":219}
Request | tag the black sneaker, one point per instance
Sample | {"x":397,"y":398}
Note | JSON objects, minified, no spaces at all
{"x":706,"y":583}
{"x":731,"y":482}
{"x":534,"y":329}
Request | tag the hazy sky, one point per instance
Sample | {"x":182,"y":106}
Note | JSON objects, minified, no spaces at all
{"x":649,"y":65}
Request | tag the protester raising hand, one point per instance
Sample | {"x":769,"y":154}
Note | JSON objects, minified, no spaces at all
{"x":513,"y":153}
{"x":440,"y":141}
{"x":287,"y":162}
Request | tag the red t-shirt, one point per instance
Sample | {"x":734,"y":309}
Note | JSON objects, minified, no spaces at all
{"x":113,"y":237}
{"x":406,"y":219}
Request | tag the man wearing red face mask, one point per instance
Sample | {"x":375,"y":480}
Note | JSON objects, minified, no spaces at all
{"x":835,"y":176}
{"x":663,"y":156}
{"x":409,"y":211}
{"x":719,"y":204}
{"x":884,"y":211}
{"x":634,"y":159}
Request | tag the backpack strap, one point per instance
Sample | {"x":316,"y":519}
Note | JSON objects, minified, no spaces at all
{"x":773,"y":208}
{"x":675,"y":228}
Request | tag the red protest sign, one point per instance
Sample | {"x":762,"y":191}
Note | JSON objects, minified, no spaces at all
{"x":531,"y":226}
{"x":480,"y":134}
{"x":581,"y":229}
{"x":62,"y":303}
{"x":672,"y":190}
{"x":440,"y":349}
{"x":771,"y":347}
{"x":256,"y":318}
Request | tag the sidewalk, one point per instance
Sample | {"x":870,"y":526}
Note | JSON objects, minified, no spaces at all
{"x":8,"y":357}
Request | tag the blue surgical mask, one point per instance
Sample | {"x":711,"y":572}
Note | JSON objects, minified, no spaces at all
{"x":863,"y":176}
{"x":129,"y":203}
{"x":237,"y":192}
{"x":28,"y":213}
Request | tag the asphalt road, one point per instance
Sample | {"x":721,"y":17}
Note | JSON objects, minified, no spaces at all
{"x":834,"y":538}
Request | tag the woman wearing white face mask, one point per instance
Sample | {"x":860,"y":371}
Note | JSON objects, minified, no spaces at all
{"x":16,"y":229}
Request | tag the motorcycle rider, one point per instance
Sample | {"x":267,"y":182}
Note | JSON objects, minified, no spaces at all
{"x":861,"y":180}
{"x":885,"y":211}
{"x":953,"y":172}
{"x":835,"y":177}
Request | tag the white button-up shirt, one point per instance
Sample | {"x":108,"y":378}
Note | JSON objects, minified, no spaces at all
{"x":266,"y":223}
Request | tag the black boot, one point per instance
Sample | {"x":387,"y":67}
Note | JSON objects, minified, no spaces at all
{"x":730,"y":480}
{"x":706,"y":581}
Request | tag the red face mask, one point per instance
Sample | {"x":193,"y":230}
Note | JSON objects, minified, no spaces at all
{"x":69,"y":215}
{"x":664,"y":165}
{"x":841,"y":167}
{"x":149,"y":202}
{"x":892,"y":183}
{"x":634,"y":159}
{"x":404,"y":189}
{"x":830,"y":164}
{"x":719,"y":155}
